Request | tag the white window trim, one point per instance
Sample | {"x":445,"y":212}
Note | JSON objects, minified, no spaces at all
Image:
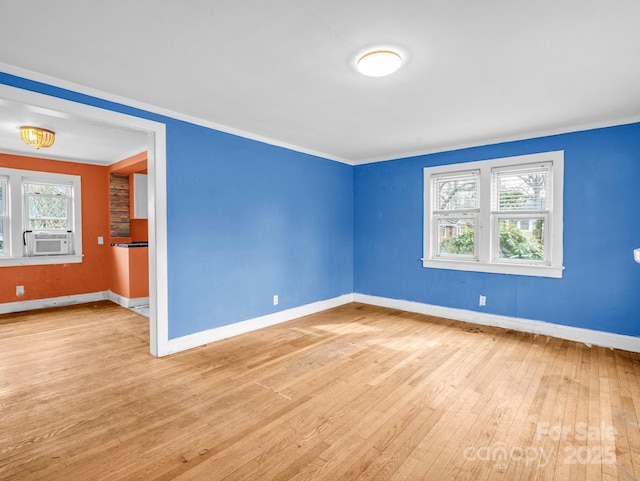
{"x":16,"y":214}
{"x":484,"y":263}
{"x":4,"y":215}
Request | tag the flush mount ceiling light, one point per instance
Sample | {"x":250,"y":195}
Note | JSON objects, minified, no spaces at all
{"x":379,"y":63}
{"x":37,"y":137}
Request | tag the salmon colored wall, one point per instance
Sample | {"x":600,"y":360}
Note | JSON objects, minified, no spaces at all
{"x":130,"y":272}
{"x":134,"y":164}
{"x":129,"y":268}
{"x":92,"y":274}
{"x":139,"y":228}
{"x":119,"y":282}
{"x":138,"y":272}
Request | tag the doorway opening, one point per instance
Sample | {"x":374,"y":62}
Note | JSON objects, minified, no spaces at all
{"x":157,"y":211}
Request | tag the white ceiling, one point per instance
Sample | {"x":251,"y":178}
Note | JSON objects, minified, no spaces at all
{"x":475,"y":72}
{"x":78,"y":139}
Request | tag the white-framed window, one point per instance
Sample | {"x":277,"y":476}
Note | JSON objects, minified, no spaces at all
{"x":500,"y":215}
{"x":40,"y":216}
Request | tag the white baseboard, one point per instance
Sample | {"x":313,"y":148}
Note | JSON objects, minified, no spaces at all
{"x":20,"y":306}
{"x":223,"y":332}
{"x":586,"y":336}
{"x":126,"y":302}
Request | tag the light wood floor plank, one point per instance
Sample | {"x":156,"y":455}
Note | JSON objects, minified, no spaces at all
{"x":354,"y":393}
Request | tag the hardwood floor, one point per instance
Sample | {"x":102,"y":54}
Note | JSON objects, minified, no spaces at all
{"x":357,"y":392}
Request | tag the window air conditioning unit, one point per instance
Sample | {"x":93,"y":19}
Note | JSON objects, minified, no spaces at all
{"x":48,"y":243}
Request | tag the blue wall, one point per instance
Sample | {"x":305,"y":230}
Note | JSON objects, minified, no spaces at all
{"x":600,"y":288}
{"x":245,"y":221}
{"x":248,"y":220}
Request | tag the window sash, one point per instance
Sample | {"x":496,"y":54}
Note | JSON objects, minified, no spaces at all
{"x":470,"y":203}
{"x":496,"y":239}
{"x":454,"y":220}
{"x":486,"y":257}
{"x":31,"y":221}
{"x":541,"y":202}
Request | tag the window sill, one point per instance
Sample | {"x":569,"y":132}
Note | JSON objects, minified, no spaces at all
{"x":495,"y":268}
{"x":39,"y":260}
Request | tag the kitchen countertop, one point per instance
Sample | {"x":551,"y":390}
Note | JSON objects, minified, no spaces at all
{"x":129,"y":245}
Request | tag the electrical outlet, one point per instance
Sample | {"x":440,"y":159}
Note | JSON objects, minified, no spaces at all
{"x":100,"y":240}
{"x":275,"y":300}
{"x":483,"y":301}
{"x":19,"y":290}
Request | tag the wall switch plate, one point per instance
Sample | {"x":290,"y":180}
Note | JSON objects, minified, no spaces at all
{"x":19,"y":290}
{"x":483,"y":301}
{"x":275,"y":300}
{"x":100,"y":240}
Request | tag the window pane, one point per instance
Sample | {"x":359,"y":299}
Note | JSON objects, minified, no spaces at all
{"x":1,"y":236}
{"x":456,"y":236}
{"x":523,"y":190}
{"x":459,"y":192}
{"x":49,"y":189}
{"x":47,"y":224}
{"x":521,"y":239}
{"x":47,"y":212}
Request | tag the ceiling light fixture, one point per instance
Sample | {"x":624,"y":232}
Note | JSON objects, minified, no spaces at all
{"x":37,"y":137}
{"x":379,"y":63}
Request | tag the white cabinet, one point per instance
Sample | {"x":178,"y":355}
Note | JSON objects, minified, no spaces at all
{"x":140,"y":203}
